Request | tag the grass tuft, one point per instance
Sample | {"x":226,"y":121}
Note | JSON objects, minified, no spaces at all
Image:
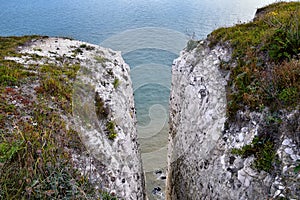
{"x":110,"y":126}
{"x":116,"y":83}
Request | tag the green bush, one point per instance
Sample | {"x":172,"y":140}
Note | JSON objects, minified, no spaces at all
{"x":6,"y":80}
{"x":289,"y":95}
{"x":263,"y":151}
{"x":110,"y":126}
{"x":285,"y":43}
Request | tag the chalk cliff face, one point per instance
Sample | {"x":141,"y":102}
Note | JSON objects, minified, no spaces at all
{"x":201,"y":162}
{"x":103,"y":94}
{"x":103,"y":113}
{"x":197,"y":116}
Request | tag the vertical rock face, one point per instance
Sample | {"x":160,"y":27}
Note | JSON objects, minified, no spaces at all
{"x":201,"y":162}
{"x":103,"y":114}
{"x":197,"y":116}
{"x":104,"y":96}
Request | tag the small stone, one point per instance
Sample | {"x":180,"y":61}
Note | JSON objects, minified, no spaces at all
{"x":241,"y":176}
{"x":277,"y":193}
{"x":284,"y":169}
{"x":289,"y":151}
{"x":156,"y":190}
{"x":276,"y":182}
{"x":247,"y":182}
{"x":286,"y":142}
{"x":244,"y":130}
{"x":295,"y":157}
{"x":280,"y":187}
{"x":241,"y":137}
{"x":216,"y":62}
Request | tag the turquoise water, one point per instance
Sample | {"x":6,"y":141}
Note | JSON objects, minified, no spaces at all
{"x":97,"y":20}
{"x":150,"y":34}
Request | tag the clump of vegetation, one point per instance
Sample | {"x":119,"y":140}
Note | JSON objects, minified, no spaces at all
{"x":77,"y":51}
{"x":37,"y":49}
{"x":8,"y":80}
{"x":101,"y":110}
{"x":110,"y":126}
{"x":263,"y":151}
{"x":83,"y":46}
{"x":107,"y":196}
{"x":87,"y":47}
{"x":101,"y":59}
{"x":110,"y":72}
{"x":12,"y":73}
{"x":266,"y":56}
{"x":192,"y":44}
{"x":297,"y":169}
{"x":116,"y":83}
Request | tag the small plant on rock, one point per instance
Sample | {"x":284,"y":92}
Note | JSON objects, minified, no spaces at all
{"x":116,"y":83}
{"x":110,"y":126}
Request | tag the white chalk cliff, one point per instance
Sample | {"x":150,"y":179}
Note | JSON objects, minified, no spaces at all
{"x":200,"y":160}
{"x":103,"y":113}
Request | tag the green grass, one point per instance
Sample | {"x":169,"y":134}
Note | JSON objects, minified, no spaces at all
{"x":101,"y":59}
{"x":35,"y":157}
{"x":12,"y":73}
{"x":87,"y":47}
{"x":265,"y":73}
{"x":110,"y":126}
{"x":263,"y":151}
{"x":266,"y":52}
{"x":116,"y":83}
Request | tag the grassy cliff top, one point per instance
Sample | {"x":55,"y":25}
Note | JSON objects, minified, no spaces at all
{"x":265,"y":68}
{"x":36,"y":142}
{"x":264,"y":77}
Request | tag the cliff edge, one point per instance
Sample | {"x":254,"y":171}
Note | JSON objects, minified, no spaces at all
{"x":67,"y":122}
{"x":234,"y":111}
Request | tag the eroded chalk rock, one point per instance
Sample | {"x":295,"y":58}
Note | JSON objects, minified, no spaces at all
{"x":201,"y":162}
{"x":103,"y":113}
